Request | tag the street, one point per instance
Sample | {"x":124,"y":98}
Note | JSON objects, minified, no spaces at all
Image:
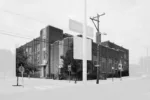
{"x":136,"y":88}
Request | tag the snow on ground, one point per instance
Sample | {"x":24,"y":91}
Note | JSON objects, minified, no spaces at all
{"x":129,"y":88}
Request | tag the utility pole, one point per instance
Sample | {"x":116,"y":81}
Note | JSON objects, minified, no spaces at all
{"x":98,"y":43}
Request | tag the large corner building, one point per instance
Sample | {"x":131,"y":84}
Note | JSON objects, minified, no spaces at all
{"x":46,"y":51}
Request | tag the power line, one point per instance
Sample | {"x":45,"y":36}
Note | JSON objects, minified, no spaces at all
{"x":3,"y":32}
{"x":10,"y":12}
{"x":14,"y":35}
{"x":21,"y":15}
{"x":27,"y":17}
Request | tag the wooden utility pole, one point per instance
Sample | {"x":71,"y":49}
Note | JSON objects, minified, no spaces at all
{"x":98,"y":43}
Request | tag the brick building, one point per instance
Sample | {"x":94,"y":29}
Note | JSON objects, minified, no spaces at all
{"x":111,"y":56}
{"x":39,"y":49}
{"x":46,"y":51}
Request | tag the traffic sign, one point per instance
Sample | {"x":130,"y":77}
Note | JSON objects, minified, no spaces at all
{"x":21,"y":69}
{"x":69,"y":67}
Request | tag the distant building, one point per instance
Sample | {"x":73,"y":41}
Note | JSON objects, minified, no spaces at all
{"x":46,"y":51}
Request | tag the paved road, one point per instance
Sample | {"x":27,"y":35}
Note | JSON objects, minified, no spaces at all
{"x":127,"y":89}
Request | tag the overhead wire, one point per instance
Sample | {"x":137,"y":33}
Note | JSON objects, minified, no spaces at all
{"x":3,"y":32}
{"x":21,"y":15}
{"x":14,"y":35}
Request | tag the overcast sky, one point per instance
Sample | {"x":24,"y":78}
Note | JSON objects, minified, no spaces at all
{"x":126,"y":22}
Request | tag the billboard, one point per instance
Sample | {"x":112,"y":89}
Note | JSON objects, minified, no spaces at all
{"x":78,"y":48}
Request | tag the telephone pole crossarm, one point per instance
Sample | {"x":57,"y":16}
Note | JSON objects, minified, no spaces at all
{"x":94,"y":24}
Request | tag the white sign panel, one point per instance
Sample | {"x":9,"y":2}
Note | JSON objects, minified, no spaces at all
{"x":75,"y":26}
{"x":90,"y":32}
{"x":78,"y":48}
{"x":78,"y":27}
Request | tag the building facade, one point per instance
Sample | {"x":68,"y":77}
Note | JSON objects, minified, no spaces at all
{"x":45,"y":52}
{"x":38,"y":50}
{"x":110,"y":56}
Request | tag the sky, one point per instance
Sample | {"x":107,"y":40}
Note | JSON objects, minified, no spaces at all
{"x":126,"y":21}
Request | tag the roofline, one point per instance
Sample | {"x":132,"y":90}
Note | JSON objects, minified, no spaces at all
{"x":115,"y":44}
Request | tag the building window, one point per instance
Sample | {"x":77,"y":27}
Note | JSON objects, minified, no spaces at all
{"x":30,"y":50}
{"x":38,"y":61}
{"x":35,"y":49}
{"x":44,"y":43}
{"x":125,"y":56}
{"x":44,"y":34}
{"x":110,"y":61}
{"x":95,"y":62}
{"x":38,"y":58}
{"x":103,"y":59}
{"x":38,"y":47}
{"x":44,"y":54}
{"x":26,"y":50}
{"x":125,"y":62}
{"x":30,"y":59}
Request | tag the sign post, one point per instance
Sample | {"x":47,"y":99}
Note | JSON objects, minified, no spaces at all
{"x":21,"y":69}
{"x":112,"y":73}
{"x":69,"y":70}
{"x":59,"y":70}
{"x":120,"y":68}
